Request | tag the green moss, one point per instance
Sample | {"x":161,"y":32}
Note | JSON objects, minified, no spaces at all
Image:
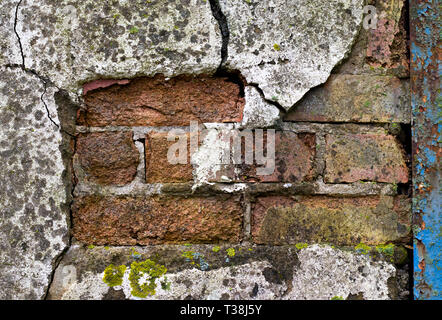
{"x":276,"y":47}
{"x":133,"y":30}
{"x":362,"y":248}
{"x":231,"y":252}
{"x":337,"y":298}
{"x":367,"y":104}
{"x":301,"y":245}
{"x":142,"y":277}
{"x":113,"y":276}
{"x":135,"y":254}
{"x":91,"y":246}
{"x":165,"y":285}
{"x":216,"y":249}
{"x":188,"y":254}
{"x":387,"y":249}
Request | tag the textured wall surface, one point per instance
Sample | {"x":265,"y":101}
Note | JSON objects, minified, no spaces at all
{"x":90,"y":206}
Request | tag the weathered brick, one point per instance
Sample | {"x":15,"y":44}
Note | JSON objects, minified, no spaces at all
{"x":139,"y":220}
{"x":158,"y":168}
{"x":354,"y":157}
{"x":356,"y":98}
{"x":159,"y":102}
{"x":382,"y":50}
{"x":106,"y":158}
{"x":347,"y":221}
{"x":387,"y":43}
{"x":294,"y":161}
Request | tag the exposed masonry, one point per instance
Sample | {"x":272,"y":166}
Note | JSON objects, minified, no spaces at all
{"x":248,"y":190}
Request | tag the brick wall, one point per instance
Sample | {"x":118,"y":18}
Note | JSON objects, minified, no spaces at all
{"x":341,"y":158}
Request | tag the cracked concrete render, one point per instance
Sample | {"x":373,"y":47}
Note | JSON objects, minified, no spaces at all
{"x":50,"y":48}
{"x":33,"y":196}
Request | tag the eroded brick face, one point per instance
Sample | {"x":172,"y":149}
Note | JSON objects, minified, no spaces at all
{"x":154,"y":220}
{"x":106,"y":158}
{"x":159,"y":102}
{"x":158,"y":168}
{"x":356,"y":98}
{"x":387,"y":43}
{"x":345,"y":221}
{"x":354,"y":157}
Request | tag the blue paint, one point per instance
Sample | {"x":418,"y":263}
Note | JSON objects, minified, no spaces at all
{"x":426,"y":100}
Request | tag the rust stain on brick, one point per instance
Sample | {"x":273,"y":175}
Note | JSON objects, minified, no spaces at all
{"x":160,"y":102}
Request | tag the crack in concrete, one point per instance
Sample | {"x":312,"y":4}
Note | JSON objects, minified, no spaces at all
{"x":224,"y":27}
{"x":45,"y":82}
{"x":16,"y":33}
{"x":225,"y":33}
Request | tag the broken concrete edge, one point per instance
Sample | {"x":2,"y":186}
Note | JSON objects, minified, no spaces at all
{"x":219,"y":17}
{"x":81,"y":273}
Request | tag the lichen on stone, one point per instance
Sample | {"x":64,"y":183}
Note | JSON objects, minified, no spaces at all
{"x":143,"y":276}
{"x":113,"y":275}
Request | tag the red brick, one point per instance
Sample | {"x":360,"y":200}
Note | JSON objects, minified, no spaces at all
{"x":158,"y":168}
{"x":294,"y":161}
{"x":345,"y":221}
{"x":354,"y":157}
{"x":159,"y":102}
{"x":144,"y":221}
{"x":106,"y":158}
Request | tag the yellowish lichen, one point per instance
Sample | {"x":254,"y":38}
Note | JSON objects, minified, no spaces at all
{"x":231,"y":252}
{"x":113,"y":275}
{"x":301,"y":245}
{"x":142,"y":277}
{"x":362,"y":248}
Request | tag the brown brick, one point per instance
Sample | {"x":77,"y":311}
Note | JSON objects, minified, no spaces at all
{"x":294,"y":161}
{"x":384,"y":49}
{"x":144,"y":221}
{"x":387,"y":43}
{"x":354,"y":157}
{"x":106,"y":158}
{"x":355,"y":98}
{"x":345,"y":221}
{"x":159,"y":102}
{"x":158,"y":168}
